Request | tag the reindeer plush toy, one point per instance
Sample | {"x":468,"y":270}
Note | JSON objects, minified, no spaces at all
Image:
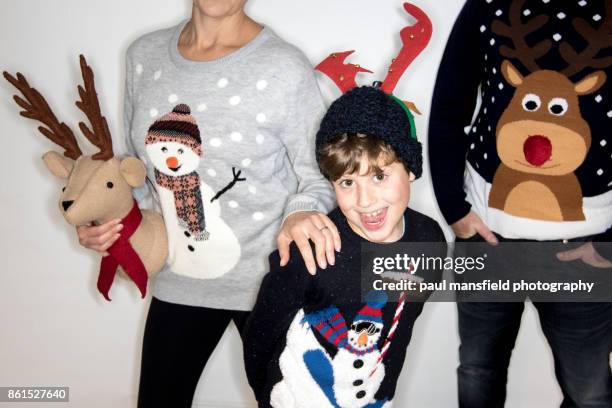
{"x":99,"y":186}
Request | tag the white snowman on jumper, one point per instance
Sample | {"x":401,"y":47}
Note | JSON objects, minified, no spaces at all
{"x":201,"y":244}
{"x":348,"y":380}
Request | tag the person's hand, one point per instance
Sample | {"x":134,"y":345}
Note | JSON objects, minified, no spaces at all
{"x":471,"y":225}
{"x":587,"y":254}
{"x":99,"y":237}
{"x":309,"y":225}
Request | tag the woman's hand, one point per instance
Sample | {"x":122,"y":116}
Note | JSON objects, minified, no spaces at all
{"x":471,"y":225}
{"x":309,"y":225}
{"x":99,"y":237}
{"x":587,"y":254}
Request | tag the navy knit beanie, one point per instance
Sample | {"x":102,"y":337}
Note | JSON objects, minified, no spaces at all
{"x":370,"y":111}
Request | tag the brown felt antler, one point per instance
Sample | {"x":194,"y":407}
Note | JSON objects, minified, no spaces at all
{"x":100,"y":136}
{"x":414,"y":39}
{"x":517,"y":31}
{"x":36,"y":107}
{"x":597,"y":40}
{"x":342,"y":74}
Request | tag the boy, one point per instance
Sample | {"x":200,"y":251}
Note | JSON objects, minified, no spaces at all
{"x":311,"y":341}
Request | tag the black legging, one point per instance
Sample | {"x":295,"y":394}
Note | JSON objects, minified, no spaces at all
{"x":178,"y":340}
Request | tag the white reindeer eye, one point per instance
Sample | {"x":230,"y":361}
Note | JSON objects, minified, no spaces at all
{"x":557,"y":106}
{"x":531,"y":102}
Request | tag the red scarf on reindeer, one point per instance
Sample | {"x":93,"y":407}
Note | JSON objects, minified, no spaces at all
{"x":121,"y":253}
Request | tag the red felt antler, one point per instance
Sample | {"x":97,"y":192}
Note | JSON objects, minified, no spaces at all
{"x":414,"y":39}
{"x":342,"y":74}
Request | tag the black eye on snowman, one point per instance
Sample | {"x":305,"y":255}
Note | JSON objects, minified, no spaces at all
{"x":110,"y":184}
{"x":63,"y":189}
{"x":558,"y":106}
{"x":164,"y":149}
{"x":531,"y":102}
{"x":180,"y":151}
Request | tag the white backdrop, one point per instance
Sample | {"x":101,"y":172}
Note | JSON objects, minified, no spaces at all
{"x":56,"y":330}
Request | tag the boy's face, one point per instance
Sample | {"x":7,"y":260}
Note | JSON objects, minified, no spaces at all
{"x":374,"y":203}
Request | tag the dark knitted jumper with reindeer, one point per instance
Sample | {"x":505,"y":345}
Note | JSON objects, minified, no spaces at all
{"x":539,"y":150}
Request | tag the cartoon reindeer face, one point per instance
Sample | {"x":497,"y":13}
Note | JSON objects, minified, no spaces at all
{"x":542,"y":137}
{"x":98,"y":186}
{"x":542,"y":130}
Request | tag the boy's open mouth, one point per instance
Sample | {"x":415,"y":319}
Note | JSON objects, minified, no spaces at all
{"x":374,"y":220}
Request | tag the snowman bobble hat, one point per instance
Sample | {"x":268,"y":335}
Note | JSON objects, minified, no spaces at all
{"x":177,"y":126}
{"x":374,"y":110}
{"x":372,"y":310}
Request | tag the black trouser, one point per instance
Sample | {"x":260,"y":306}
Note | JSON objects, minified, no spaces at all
{"x":178,"y":340}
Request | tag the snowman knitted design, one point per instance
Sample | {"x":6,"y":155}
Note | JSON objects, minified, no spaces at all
{"x":333,"y":380}
{"x":201,"y":244}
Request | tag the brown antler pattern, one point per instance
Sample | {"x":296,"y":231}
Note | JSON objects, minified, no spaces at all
{"x":597,"y":39}
{"x":100,"y":136}
{"x":36,"y":107}
{"x":517,"y":31}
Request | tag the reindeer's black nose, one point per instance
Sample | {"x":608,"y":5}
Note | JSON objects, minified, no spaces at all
{"x":67,"y":204}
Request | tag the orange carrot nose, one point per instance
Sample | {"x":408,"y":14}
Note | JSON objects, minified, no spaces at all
{"x":363,"y":339}
{"x":172,"y":162}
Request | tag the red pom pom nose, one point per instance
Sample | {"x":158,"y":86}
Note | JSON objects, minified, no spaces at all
{"x":537,"y":149}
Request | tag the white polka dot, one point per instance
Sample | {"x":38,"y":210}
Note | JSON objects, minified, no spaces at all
{"x":598,"y":98}
{"x":257,"y":216}
{"x":561,"y":15}
{"x":485,"y":111}
{"x":153,"y":112}
{"x":173,"y":98}
{"x":582,"y":3}
{"x":261,"y":117}
{"x":474,"y":129}
{"x":212,"y":172}
{"x":489,"y":1}
{"x":260,"y":139}
{"x":610,"y":114}
{"x":610,"y":184}
{"x":215,"y":142}
{"x":139,"y":69}
{"x":246,"y":162}
{"x":526,"y":12}
{"x":557,"y":37}
{"x":157,"y":75}
{"x":545,"y":1}
{"x":252,"y":189}
{"x":493,"y":99}
{"x":261,"y":84}
{"x":600,"y":172}
{"x":477,"y":165}
{"x":494,"y":70}
{"x":483,"y":28}
{"x":222,"y":83}
{"x":500,"y":86}
{"x":481,"y":138}
{"x":499,"y":13}
{"x":492,"y":41}
{"x":603,"y":143}
{"x":236,"y":136}
{"x":485,"y":156}
{"x":486,"y":57}
{"x":489,"y":128}
{"x":201,"y":107}
{"x":234,"y":100}
{"x":596,"y":17}
{"x":472,"y":146}
{"x":232,"y":204}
